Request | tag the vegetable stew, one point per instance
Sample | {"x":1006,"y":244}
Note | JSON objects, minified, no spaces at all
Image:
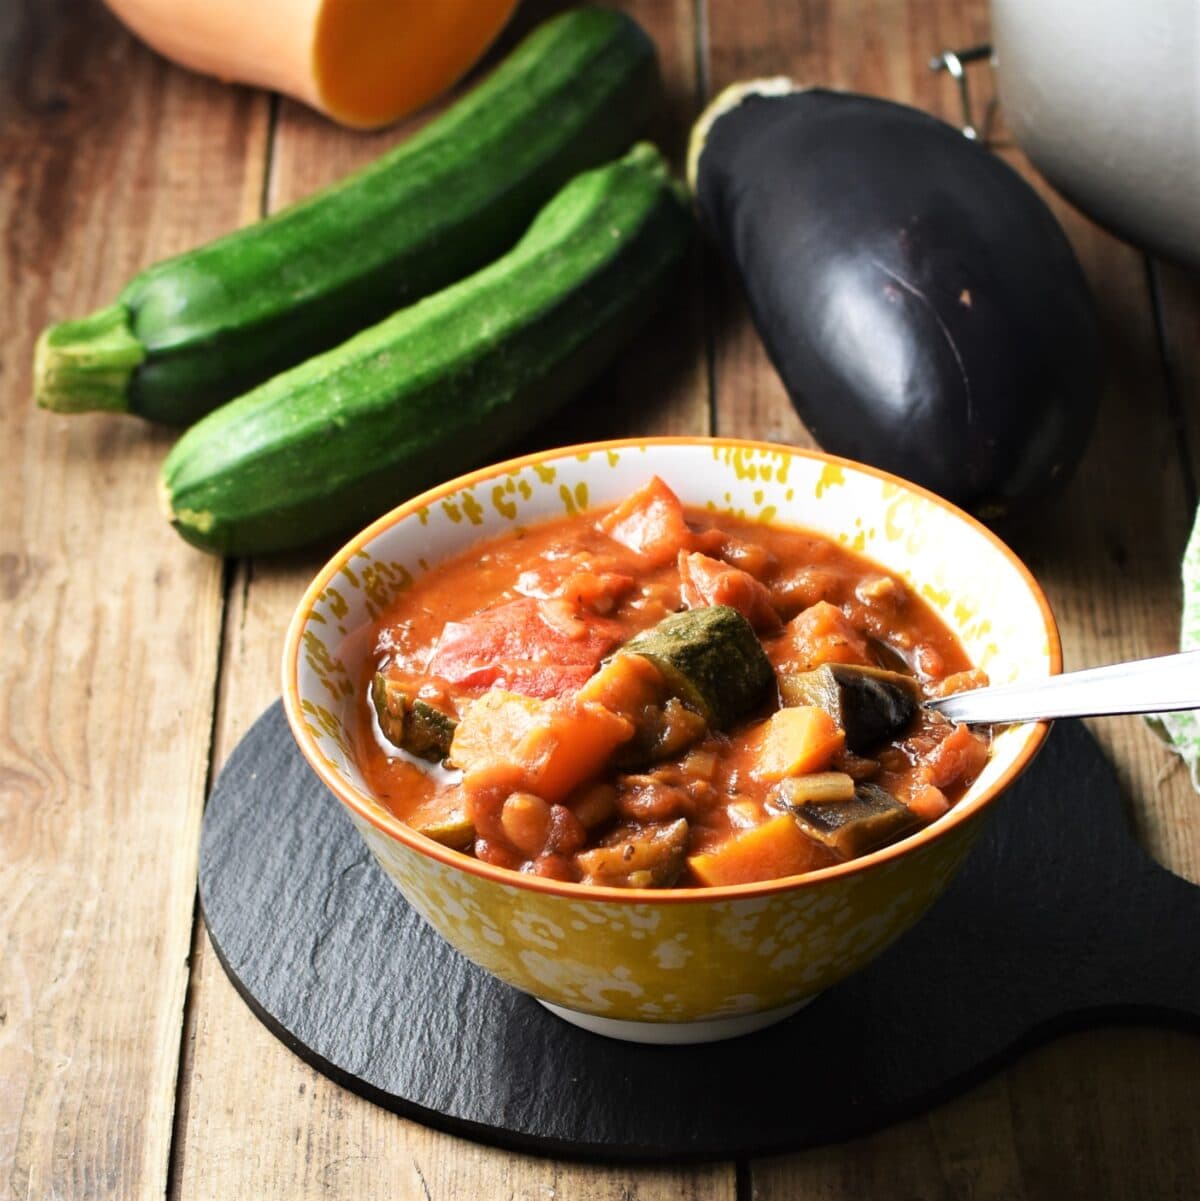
{"x":650,"y":696}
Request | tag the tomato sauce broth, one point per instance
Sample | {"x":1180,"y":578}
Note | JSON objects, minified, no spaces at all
{"x":528,"y":618}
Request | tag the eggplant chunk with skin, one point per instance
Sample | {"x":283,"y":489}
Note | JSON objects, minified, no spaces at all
{"x":920,"y":302}
{"x":868,"y":703}
{"x":869,"y":819}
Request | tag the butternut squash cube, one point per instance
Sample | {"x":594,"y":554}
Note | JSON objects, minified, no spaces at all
{"x":797,"y":741}
{"x":547,"y":747}
{"x":776,"y":848}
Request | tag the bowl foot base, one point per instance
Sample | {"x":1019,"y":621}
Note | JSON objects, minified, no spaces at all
{"x":664,"y":1033}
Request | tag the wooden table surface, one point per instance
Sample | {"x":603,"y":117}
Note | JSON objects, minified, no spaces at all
{"x":129,"y":1068}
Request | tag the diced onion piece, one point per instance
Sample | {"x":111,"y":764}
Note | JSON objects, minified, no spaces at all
{"x":822,"y":786}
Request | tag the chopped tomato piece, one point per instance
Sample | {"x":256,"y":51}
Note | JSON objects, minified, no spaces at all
{"x":704,"y":581}
{"x":928,"y":803}
{"x":821,"y":634}
{"x":956,"y":759}
{"x":535,"y":647}
{"x":598,"y":591}
{"x":737,"y":552}
{"x":650,"y":522}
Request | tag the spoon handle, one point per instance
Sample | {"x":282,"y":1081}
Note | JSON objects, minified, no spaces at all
{"x":1171,"y":682}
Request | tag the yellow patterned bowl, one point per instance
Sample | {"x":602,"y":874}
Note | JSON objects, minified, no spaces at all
{"x":682,"y":965}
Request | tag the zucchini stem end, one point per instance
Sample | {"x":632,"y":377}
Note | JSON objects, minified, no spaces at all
{"x":87,"y":365}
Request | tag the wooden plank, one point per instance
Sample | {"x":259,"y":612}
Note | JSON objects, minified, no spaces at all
{"x":1087,"y":1117}
{"x":111,"y":159}
{"x":1107,"y":553}
{"x":254,"y":1120}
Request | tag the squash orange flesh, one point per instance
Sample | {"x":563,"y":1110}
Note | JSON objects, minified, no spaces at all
{"x":797,"y":741}
{"x":376,"y":60}
{"x":363,"y":62}
{"x":771,"y":851}
{"x":547,"y":747}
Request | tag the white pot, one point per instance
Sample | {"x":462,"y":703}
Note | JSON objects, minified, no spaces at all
{"x":1104,"y":97}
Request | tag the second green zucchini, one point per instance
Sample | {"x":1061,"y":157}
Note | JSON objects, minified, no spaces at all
{"x":439,"y":386}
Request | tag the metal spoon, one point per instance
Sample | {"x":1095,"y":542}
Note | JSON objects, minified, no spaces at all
{"x":1162,"y":685}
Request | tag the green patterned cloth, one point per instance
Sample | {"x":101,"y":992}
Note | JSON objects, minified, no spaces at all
{"x":1182,"y":730}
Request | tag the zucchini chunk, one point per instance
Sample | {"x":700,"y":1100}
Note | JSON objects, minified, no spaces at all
{"x":852,"y":827}
{"x":711,"y":659}
{"x":414,"y":726}
{"x":444,"y":819}
{"x":644,"y":857}
{"x":870,"y":704}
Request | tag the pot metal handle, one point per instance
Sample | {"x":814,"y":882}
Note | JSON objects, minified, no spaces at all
{"x":955,"y":63}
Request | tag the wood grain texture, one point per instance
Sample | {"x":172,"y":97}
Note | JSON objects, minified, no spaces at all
{"x":111,"y":160}
{"x":302,"y":1135}
{"x":1107,"y":554}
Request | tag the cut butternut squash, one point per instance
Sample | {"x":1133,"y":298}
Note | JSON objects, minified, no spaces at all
{"x":797,"y":741}
{"x":547,"y":747}
{"x":362,"y":62}
{"x":775,"y":849}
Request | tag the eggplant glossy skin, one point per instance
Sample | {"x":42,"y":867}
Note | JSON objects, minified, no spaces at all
{"x":920,"y":302}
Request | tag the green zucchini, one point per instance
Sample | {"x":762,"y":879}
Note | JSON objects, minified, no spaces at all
{"x":414,"y":725}
{"x":638,"y":856}
{"x":437,"y":387}
{"x":193,"y":331}
{"x":444,"y":819}
{"x":711,"y":659}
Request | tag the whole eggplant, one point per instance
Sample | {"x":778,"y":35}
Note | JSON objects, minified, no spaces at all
{"x":920,"y":302}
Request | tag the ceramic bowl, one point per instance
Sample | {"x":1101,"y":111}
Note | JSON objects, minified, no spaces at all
{"x":678,"y":965}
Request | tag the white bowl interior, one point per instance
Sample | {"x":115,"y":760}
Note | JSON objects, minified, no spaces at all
{"x":978,"y":589}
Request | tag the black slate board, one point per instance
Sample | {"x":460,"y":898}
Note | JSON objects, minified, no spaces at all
{"x":1057,"y":920}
